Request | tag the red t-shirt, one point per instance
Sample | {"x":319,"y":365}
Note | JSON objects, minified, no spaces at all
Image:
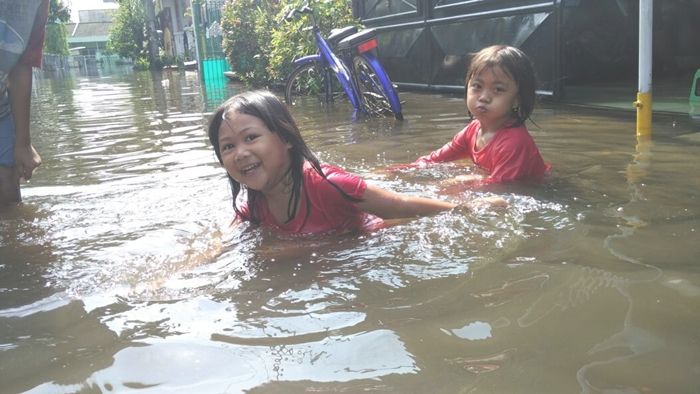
{"x":510,"y":155}
{"x":330,"y":212}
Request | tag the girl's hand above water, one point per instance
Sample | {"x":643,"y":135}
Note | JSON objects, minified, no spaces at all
{"x":461,"y":179}
{"x":394,"y":168}
{"x":482,"y":203}
{"x":390,"y":205}
{"x":462,"y":183}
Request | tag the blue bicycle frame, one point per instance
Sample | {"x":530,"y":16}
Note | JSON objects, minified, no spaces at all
{"x":328,"y":58}
{"x":353,"y":64}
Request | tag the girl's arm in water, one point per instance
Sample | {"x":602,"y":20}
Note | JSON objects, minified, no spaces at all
{"x":390,"y":205}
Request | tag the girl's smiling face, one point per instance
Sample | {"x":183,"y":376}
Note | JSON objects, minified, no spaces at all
{"x":491,"y":96}
{"x":253,"y":155}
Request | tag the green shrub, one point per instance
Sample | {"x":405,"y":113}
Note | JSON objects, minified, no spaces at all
{"x":247,"y":26}
{"x":56,"y":41}
{"x":260,"y":46}
{"x":289,"y":41}
{"x":141,"y":63}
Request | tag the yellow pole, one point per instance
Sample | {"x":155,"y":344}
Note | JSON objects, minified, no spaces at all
{"x":643,"y":105}
{"x":643,"y":102}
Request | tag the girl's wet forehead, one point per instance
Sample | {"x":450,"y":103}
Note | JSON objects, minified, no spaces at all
{"x":238,"y":121}
{"x":236,"y":124}
{"x":232,"y":125}
{"x":494,"y":71}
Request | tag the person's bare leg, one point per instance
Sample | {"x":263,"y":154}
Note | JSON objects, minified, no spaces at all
{"x":9,"y":186}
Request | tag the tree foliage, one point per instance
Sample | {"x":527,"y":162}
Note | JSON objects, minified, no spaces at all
{"x":56,"y":41}
{"x":58,"y":12}
{"x":127,"y":37}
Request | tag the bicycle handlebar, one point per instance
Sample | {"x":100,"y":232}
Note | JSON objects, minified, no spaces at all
{"x":290,"y":15}
{"x":305,"y":9}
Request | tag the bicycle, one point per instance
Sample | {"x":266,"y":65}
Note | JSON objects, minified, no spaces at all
{"x":354,"y":73}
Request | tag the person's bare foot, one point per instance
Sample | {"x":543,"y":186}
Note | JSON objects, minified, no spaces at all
{"x":9,"y":186}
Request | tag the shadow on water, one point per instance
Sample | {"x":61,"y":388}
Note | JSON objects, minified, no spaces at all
{"x":120,"y":270}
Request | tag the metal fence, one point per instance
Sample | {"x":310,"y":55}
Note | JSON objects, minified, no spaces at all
{"x":52,"y":62}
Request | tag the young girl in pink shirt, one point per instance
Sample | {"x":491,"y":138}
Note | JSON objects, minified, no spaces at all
{"x":257,"y":141}
{"x":500,"y":96}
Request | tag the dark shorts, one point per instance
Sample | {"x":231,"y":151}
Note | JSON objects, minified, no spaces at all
{"x":7,"y":141}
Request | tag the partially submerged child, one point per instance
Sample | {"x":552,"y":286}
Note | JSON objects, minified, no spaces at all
{"x":287,"y":189}
{"x":500,"y":97}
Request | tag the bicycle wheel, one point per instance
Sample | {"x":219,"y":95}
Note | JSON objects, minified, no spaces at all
{"x":378,"y":94}
{"x":308,"y":82}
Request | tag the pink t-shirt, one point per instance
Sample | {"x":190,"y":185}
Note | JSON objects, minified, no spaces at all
{"x":330,"y":212}
{"x":509,"y":156}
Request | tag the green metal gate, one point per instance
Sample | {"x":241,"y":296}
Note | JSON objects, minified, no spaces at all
{"x":208,"y":36}
{"x":211,"y":61}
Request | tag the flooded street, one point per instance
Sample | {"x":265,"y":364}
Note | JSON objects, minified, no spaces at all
{"x":120,"y":270}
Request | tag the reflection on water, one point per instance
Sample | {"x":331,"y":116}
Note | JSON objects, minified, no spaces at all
{"x":120,"y":271}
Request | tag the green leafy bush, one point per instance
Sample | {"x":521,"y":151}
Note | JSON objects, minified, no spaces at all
{"x":247,"y":26}
{"x":56,"y":41}
{"x":289,"y":41}
{"x":260,"y":45}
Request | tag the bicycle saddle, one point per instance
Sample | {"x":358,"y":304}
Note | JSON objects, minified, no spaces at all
{"x":356,"y":39}
{"x":340,"y":33}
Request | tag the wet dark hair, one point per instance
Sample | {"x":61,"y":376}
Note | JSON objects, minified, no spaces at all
{"x":276,"y":116}
{"x":517,"y":65}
